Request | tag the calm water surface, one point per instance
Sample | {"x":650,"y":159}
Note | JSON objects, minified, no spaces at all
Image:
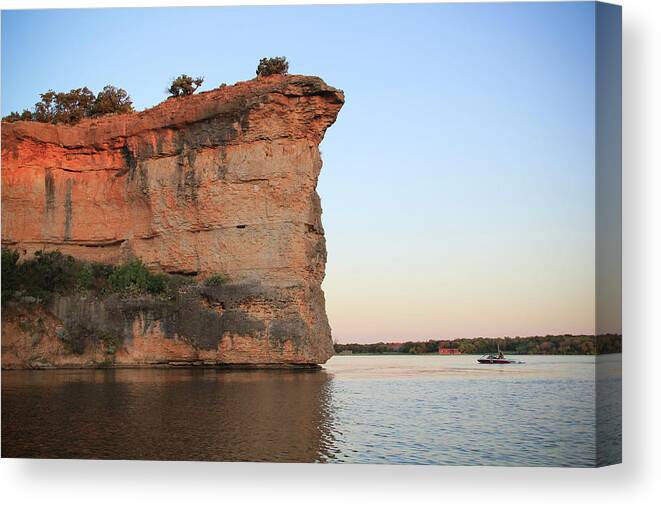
{"x":360,"y":409}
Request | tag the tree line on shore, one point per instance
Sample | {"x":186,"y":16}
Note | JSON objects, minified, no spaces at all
{"x":73,"y":106}
{"x":546,"y":345}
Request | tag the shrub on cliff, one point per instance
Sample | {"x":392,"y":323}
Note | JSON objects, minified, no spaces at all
{"x":10,"y":273}
{"x":134,"y":277}
{"x":184,"y":85}
{"x":270,"y":66}
{"x":71,"y":107}
{"x":26,"y":115}
{"x":41,"y":276}
{"x":63,"y":107}
{"x":93,"y":277}
{"x":49,"y":273}
{"x":111,"y":100}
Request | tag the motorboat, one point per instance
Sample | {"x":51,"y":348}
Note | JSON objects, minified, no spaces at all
{"x":498,"y":358}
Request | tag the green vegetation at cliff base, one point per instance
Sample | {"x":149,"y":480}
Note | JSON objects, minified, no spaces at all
{"x":40,"y":277}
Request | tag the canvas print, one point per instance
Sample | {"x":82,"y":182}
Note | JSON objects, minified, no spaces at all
{"x":171,"y":289}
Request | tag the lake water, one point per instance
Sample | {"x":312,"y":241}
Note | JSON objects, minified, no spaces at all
{"x":357,"y":409}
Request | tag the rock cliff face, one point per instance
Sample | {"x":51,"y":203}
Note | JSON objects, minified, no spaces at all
{"x":219,"y":182}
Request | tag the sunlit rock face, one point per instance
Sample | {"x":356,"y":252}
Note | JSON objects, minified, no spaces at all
{"x":218,"y":182}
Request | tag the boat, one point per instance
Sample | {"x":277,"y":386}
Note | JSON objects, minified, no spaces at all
{"x":497,"y":359}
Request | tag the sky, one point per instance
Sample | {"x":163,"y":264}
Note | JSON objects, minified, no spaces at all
{"x":458,"y":185}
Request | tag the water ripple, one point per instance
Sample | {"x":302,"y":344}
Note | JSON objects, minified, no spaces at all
{"x":399,"y":409}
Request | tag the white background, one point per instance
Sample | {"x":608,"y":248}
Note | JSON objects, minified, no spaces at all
{"x":636,"y":482}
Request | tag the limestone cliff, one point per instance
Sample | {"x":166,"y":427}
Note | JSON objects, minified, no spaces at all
{"x":218,"y":182}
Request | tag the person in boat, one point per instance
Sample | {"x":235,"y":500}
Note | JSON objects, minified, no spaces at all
{"x":500,"y":355}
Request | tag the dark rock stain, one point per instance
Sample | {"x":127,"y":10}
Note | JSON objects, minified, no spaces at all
{"x":200,"y":315}
{"x":130,"y":162}
{"x":222,"y":165}
{"x":288,"y":328}
{"x":49,"y":191}
{"x":143,"y":179}
{"x":68,"y":210}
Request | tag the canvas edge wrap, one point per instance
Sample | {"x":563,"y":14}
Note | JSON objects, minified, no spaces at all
{"x":608,"y":224}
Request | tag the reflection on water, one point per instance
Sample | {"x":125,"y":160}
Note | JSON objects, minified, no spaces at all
{"x":166,"y":414}
{"x":392,"y":409}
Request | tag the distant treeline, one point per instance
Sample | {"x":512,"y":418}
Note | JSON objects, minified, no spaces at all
{"x":550,"y":344}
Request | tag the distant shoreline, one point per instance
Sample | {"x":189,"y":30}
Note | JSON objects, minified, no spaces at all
{"x":432,"y":354}
{"x":549,"y":345}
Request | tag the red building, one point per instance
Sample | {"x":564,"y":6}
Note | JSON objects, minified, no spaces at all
{"x":448,"y":352}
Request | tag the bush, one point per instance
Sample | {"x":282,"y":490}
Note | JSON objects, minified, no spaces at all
{"x":215,"y":280}
{"x":270,"y":66}
{"x":134,"y":277}
{"x":64,"y":107}
{"x":71,"y":107}
{"x":49,"y":273}
{"x":45,"y":274}
{"x":10,"y":273}
{"x":184,"y":85}
{"x":94,"y":277}
{"x":111,"y":100}
{"x":86,"y":277}
{"x":26,"y":115}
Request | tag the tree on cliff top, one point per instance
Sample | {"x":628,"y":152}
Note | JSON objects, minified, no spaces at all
{"x":270,"y":66}
{"x":64,"y":107}
{"x":26,"y":115}
{"x":111,"y":100}
{"x":184,"y":85}
{"x":71,"y":107}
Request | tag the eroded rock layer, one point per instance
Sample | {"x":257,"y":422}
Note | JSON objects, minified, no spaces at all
{"x":219,"y":182}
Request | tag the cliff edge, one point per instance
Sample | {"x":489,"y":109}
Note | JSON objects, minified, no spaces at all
{"x":222,"y":181}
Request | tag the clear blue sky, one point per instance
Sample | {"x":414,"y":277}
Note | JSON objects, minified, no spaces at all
{"x":458,"y":181}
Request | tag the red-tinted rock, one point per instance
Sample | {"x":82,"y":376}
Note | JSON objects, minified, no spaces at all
{"x":218,"y":182}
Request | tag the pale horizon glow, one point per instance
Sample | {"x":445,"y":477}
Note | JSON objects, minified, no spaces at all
{"x":458,"y":180}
